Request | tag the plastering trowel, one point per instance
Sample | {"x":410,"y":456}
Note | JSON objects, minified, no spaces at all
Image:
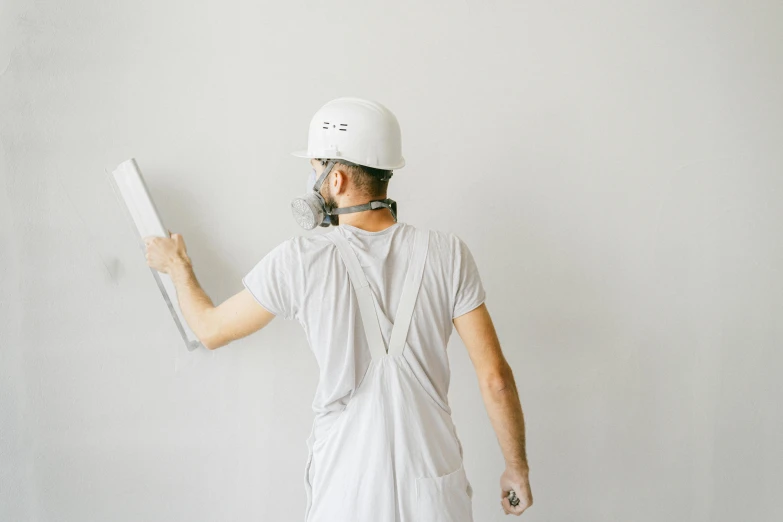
{"x":131,"y":190}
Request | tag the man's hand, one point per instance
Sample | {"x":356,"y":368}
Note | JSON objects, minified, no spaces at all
{"x":516,"y":479}
{"x":164,"y":252}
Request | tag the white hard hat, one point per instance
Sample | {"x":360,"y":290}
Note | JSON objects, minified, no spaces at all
{"x":357,"y":130}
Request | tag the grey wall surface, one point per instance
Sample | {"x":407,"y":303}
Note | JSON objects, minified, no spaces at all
{"x":615,"y":168}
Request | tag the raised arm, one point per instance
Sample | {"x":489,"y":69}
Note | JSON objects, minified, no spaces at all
{"x":215,"y":326}
{"x":498,"y":388}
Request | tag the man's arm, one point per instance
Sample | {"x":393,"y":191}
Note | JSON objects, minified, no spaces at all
{"x":216,"y":326}
{"x":501,"y":398}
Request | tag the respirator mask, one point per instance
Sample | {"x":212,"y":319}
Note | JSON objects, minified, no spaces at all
{"x":310,"y":210}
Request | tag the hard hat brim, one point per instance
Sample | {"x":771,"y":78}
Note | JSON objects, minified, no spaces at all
{"x":306,"y":154}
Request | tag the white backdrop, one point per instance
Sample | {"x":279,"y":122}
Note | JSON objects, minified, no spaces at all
{"x":614,"y":166}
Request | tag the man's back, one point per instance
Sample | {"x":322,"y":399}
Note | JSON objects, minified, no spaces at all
{"x":304,"y":278}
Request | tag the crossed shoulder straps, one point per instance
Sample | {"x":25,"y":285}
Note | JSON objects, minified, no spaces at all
{"x":367,"y":301}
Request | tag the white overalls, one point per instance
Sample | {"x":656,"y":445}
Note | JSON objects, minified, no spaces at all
{"x":392,"y":454}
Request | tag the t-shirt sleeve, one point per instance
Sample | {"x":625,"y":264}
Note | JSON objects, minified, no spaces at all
{"x":270,"y":280}
{"x":467,"y":286}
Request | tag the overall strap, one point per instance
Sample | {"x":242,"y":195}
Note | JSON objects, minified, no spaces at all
{"x":367,"y":305}
{"x":372,"y":328}
{"x":410,"y":292}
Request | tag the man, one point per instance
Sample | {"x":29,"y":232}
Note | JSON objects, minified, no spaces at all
{"x":377,"y":299}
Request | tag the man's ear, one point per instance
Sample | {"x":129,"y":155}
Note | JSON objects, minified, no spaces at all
{"x":340,"y":180}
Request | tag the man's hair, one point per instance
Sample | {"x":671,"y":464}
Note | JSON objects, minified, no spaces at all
{"x":368,"y":180}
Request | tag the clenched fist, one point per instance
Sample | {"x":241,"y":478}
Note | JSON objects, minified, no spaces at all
{"x":517,"y":480}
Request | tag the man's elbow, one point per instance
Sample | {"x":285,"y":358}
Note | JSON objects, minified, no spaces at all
{"x":213,"y":342}
{"x":499,"y":380}
{"x":209,"y":344}
{"x":209,"y":332}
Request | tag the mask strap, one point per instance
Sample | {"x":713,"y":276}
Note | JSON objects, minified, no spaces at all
{"x":322,"y":177}
{"x":372,"y":205}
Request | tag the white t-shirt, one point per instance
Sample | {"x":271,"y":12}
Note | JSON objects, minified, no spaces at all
{"x":304,"y":278}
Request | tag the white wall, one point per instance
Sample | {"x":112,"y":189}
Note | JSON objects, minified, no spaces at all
{"x":615,"y":167}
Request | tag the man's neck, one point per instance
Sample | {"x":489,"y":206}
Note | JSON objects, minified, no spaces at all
{"x":369,"y":220}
